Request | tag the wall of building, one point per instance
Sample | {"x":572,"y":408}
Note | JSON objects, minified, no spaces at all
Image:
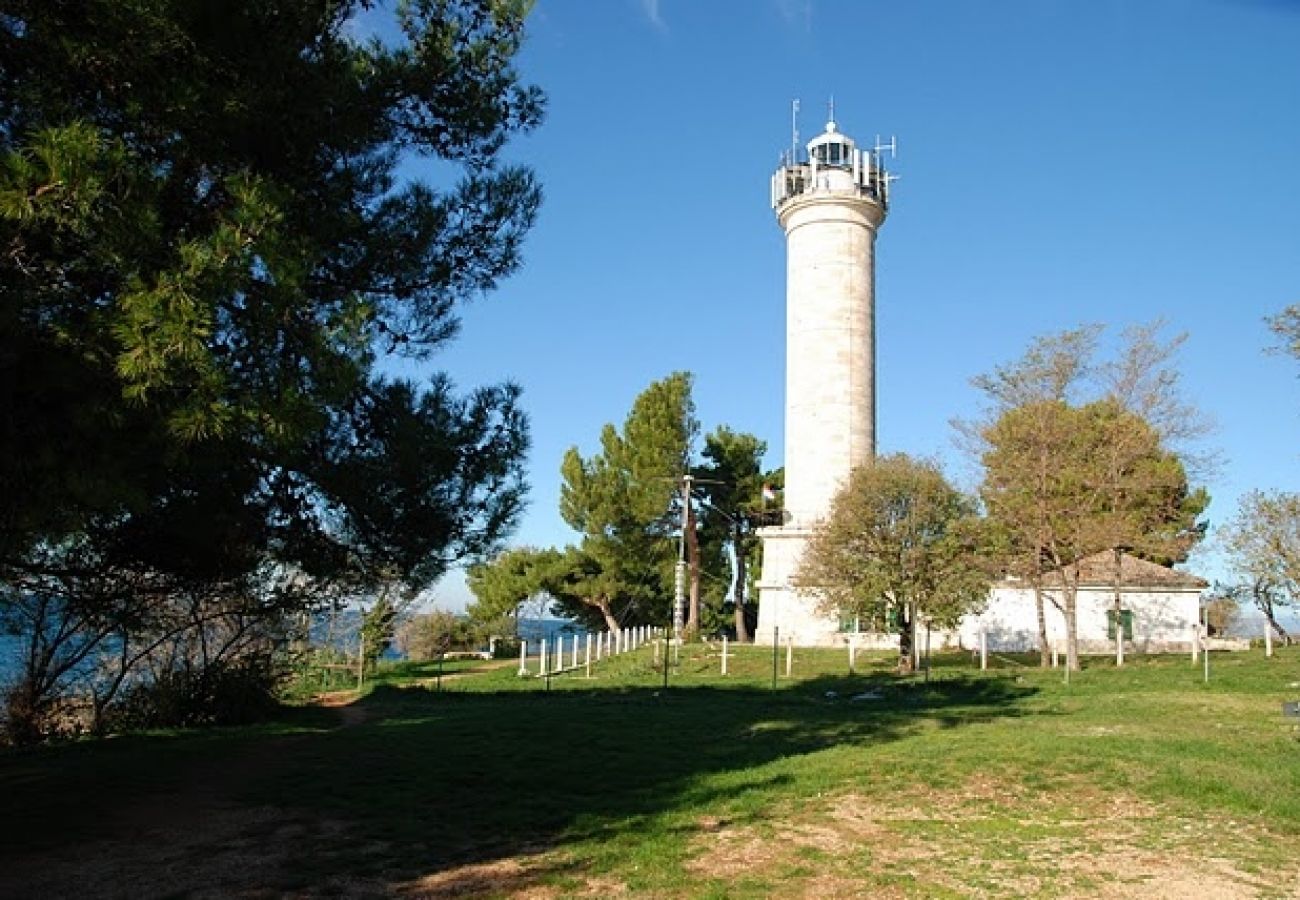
{"x":1162,"y":619}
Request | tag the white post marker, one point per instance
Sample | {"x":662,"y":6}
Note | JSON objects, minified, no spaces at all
{"x":656,"y":654}
{"x":984,"y":649}
{"x":789,"y":656}
{"x":1196,"y":643}
{"x":523,"y":658}
{"x":1268,"y":639}
{"x":588,"y":662}
{"x":724,"y":654}
{"x":1056,"y":653}
{"x":575,"y":651}
{"x":542,"y":659}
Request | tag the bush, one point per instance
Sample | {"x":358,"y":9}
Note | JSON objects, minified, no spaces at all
{"x":227,"y":693}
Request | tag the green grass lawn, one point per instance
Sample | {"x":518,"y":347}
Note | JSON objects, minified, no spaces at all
{"x":1143,"y":781}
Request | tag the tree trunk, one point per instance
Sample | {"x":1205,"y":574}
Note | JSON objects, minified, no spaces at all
{"x":1267,"y":610}
{"x":906,"y":636}
{"x":1044,"y":650}
{"x":602,"y":604}
{"x":1071,"y":596}
{"x":738,"y":547}
{"x":1119,"y":608}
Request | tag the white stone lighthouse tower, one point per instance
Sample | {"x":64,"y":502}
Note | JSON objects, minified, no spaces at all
{"x":830,"y":205}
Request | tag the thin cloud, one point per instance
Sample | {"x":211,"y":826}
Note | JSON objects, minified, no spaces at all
{"x":654,"y":13}
{"x":796,"y":13}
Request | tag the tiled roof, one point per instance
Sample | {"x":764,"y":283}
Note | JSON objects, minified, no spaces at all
{"x":1099,"y":569}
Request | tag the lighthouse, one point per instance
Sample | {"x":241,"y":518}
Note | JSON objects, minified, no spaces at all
{"x":830,"y":203}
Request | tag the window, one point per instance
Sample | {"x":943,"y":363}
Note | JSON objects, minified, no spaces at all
{"x":1126,"y":618}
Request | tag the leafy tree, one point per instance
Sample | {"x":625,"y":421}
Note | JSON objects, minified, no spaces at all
{"x":1223,"y":608}
{"x":1029,"y":409}
{"x":427,"y":636}
{"x":378,"y":626}
{"x":1263,"y":543}
{"x":500,"y":585}
{"x":624,"y":502}
{"x":209,"y":245}
{"x":732,"y":482}
{"x":899,"y":546}
{"x":1143,"y":503}
{"x":1065,"y":479}
{"x":1037,"y":500}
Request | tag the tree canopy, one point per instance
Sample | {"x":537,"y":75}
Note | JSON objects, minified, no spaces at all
{"x":623,"y":502}
{"x":900,"y":545}
{"x":731,"y":486}
{"x":211,"y":242}
{"x":1263,"y":545}
{"x":1067,"y":475}
{"x":208,"y":246}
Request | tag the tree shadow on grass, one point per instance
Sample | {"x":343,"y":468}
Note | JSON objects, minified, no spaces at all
{"x":460,"y":779}
{"x":462,"y":793}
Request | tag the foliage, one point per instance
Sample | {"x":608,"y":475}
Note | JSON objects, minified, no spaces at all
{"x":500,"y":585}
{"x":732,"y":481}
{"x":378,"y":625}
{"x":426,"y":636}
{"x":623,"y":501}
{"x":900,"y":545}
{"x":1263,"y":545}
{"x":1067,"y":476}
{"x":1223,"y":609}
{"x":210,"y":243}
{"x":1286,"y":325}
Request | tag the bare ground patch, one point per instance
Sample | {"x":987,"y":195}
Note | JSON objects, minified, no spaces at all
{"x":979,"y":841}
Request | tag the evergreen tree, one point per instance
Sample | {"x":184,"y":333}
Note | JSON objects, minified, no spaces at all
{"x":210,"y":244}
{"x":732,"y":481}
{"x":624,"y":501}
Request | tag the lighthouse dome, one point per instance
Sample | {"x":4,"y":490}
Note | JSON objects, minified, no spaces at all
{"x":831,"y":148}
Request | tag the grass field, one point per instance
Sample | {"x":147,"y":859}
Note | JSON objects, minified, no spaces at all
{"x":1139,"y":782}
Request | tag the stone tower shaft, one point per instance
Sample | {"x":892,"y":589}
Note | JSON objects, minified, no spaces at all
{"x":830,"y":207}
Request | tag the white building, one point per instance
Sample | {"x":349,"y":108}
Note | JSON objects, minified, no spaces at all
{"x":1161,"y":608}
{"x":830,"y":206}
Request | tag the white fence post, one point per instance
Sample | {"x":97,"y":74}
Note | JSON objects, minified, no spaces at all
{"x":588,"y":660}
{"x":543,"y":659}
{"x":724,"y":654}
{"x":789,"y":656}
{"x":984,"y":649}
{"x":1268,"y":639}
{"x":523,"y":658}
{"x":1196,"y":643}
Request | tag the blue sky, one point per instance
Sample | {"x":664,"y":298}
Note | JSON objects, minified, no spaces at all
{"x":1061,"y":163}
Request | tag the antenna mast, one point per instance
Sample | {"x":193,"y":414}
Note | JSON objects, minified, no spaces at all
{"x":794,"y":132}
